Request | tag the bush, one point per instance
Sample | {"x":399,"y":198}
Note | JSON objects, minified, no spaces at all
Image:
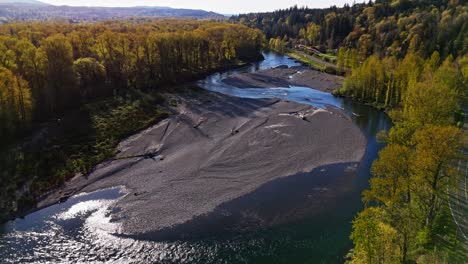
{"x":334,"y":71}
{"x":67,"y":148}
{"x":173,"y":103}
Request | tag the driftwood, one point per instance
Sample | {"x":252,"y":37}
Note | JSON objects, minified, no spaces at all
{"x":149,"y":155}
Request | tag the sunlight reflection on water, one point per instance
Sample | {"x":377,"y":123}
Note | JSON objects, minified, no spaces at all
{"x":81,"y":230}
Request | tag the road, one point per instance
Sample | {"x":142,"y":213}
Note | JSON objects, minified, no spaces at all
{"x":458,"y":195}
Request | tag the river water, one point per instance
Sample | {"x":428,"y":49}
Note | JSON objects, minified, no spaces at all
{"x":303,"y":229}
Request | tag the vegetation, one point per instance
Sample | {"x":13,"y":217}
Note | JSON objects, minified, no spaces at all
{"x":62,"y":148}
{"x":103,"y":76}
{"x":315,"y":63}
{"x":407,"y":195}
{"x":308,"y":61}
{"x":409,"y":57}
{"x":406,"y":205}
{"x":390,"y":82}
{"x":381,"y":27}
{"x":39,"y":11}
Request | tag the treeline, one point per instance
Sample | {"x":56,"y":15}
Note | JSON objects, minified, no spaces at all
{"x":70,"y":92}
{"x":383,"y":27}
{"x":39,"y":11}
{"x":49,"y":68}
{"x":406,"y":205}
{"x":389,"y":82}
{"x":406,"y":215}
{"x":406,"y":218}
{"x":409,"y":57}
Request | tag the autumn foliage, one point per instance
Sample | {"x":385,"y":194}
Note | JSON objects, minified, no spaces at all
{"x":48,"y":68}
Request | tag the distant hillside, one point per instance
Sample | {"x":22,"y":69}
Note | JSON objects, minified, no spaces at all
{"x":22,"y":2}
{"x":26,"y":10}
{"x":383,"y":27}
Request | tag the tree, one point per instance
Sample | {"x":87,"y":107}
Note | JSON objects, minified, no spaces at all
{"x":113,"y":50}
{"x":431,"y":102}
{"x":432,"y":63}
{"x":391,"y":183}
{"x":7,"y":55}
{"x":82,"y":43}
{"x":57,"y":62}
{"x":277,"y":45}
{"x":15,"y":102}
{"x":436,"y":146}
{"x":374,"y":240}
{"x":68,"y":65}
{"x":311,"y":33}
{"x":91,"y":77}
{"x":449,"y":75}
{"x":29,"y":63}
{"x":463,"y":63}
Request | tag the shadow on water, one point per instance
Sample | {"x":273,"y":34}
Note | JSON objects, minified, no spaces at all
{"x":281,"y":201}
{"x":286,"y":214}
{"x":297,"y":219}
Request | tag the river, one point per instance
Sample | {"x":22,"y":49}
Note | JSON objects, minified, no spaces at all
{"x":81,"y":229}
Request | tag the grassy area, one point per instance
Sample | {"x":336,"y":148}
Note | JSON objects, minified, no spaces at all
{"x":111,"y":121}
{"x":73,"y":144}
{"x":304,"y":59}
{"x":327,"y":57}
{"x":325,"y":67}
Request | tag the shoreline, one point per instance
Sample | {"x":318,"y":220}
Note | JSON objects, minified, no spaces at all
{"x":200,"y":133}
{"x":38,"y":127}
{"x":217,"y":149}
{"x":284,"y":76}
{"x":292,"y":199}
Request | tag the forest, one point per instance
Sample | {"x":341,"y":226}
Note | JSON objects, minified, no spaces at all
{"x":406,"y":214}
{"x":382,"y":28}
{"x":32,"y":10}
{"x":408,"y":58}
{"x":55,"y":75}
{"x":390,"y":82}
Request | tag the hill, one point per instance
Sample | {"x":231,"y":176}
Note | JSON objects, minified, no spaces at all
{"x":384,"y":27}
{"x":31,"y":10}
{"x":22,"y":2}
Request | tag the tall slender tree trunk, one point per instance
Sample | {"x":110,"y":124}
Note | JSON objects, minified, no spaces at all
{"x":432,"y":204}
{"x":405,"y":249}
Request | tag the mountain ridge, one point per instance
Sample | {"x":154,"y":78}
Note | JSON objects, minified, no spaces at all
{"x":33,"y":10}
{"x":23,"y":2}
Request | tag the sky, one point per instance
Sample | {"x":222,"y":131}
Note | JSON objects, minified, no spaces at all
{"x":220,"y":6}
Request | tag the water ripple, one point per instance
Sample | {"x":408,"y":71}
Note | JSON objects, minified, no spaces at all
{"x":80,"y":230}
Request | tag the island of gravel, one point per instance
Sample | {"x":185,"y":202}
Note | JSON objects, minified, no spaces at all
{"x":213,"y":149}
{"x":284,"y":76}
